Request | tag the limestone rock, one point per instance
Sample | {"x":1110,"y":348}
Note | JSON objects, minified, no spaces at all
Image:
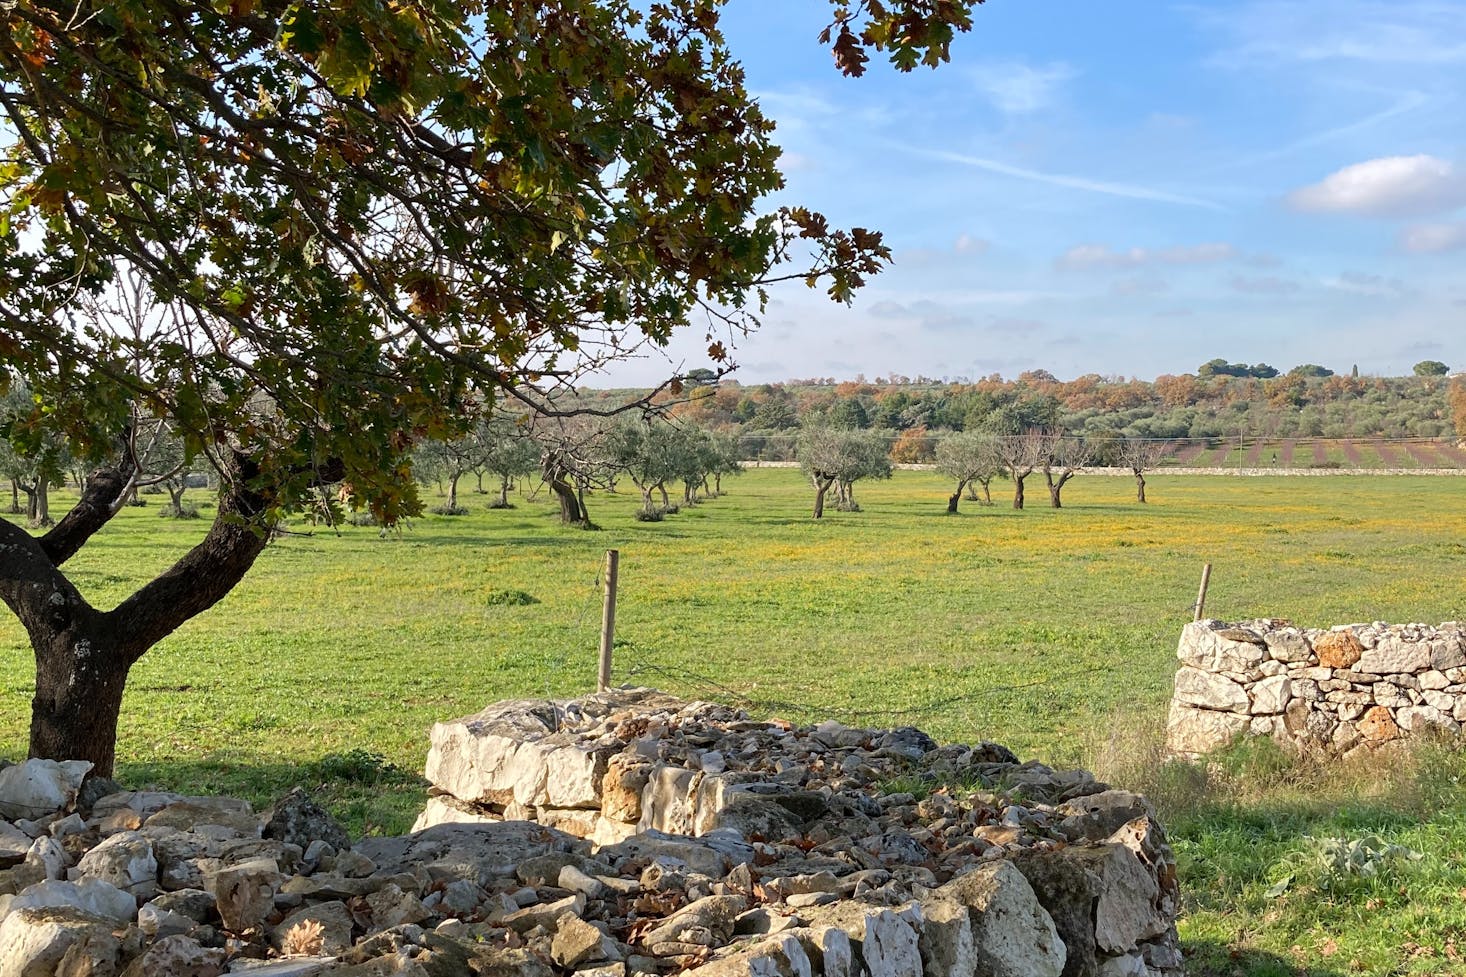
{"x":1288,"y":645}
{"x":36,"y":788}
{"x":1392,"y":655}
{"x":1271,"y":695}
{"x":1191,"y":730}
{"x":91,"y":897}
{"x":297,"y":820}
{"x":245,"y":893}
{"x":1205,"y":647}
{"x":777,"y":956}
{"x":125,"y":860}
{"x":39,"y":942}
{"x":178,"y":956}
{"x":478,"y":853}
{"x":1210,"y":691}
{"x":332,"y":921}
{"x":1013,"y":935}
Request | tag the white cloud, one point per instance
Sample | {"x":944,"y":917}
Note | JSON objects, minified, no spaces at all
{"x":1140,"y":285}
{"x":967,"y":244}
{"x":1391,"y":186}
{"x":1102,"y":256}
{"x":1410,"y":32}
{"x":1434,"y":238}
{"x":1019,"y":89}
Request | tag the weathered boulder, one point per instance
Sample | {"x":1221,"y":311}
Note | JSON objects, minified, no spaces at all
{"x":1209,"y":690}
{"x":43,"y":941}
{"x":1012,"y":934}
{"x":1227,"y":650}
{"x":297,"y":820}
{"x":36,"y":788}
{"x":1190,"y":730}
{"x":125,"y":860}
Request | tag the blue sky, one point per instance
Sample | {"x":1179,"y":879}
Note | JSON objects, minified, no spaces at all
{"x":1127,"y":188}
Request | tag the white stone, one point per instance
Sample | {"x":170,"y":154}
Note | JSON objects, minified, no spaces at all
{"x":34,"y":940}
{"x":1390,"y":696}
{"x":1129,"y":965}
{"x":1271,"y":695}
{"x":1013,"y":936}
{"x":181,"y":956}
{"x":573,"y":776}
{"x":1208,"y":691}
{"x":36,"y":788}
{"x":1394,"y":655}
{"x":889,"y":946}
{"x":1202,"y":648}
{"x":91,"y":896}
{"x":245,"y":893}
{"x":440,"y":811}
{"x":1434,"y":679}
{"x":1287,"y":645}
{"x":47,"y":854}
{"x":1416,"y":718}
{"x":1191,"y":730}
{"x":125,"y":860}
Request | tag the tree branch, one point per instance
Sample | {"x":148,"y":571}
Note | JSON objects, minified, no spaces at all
{"x":99,"y":498}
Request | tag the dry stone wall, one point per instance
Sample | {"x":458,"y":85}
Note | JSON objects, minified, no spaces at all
{"x":728,"y":848}
{"x":1349,"y":688}
{"x":798,"y":856}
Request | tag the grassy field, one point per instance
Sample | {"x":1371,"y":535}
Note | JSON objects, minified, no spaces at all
{"x":1052,"y":631}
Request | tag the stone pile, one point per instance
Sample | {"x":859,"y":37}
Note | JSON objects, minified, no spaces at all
{"x":820,"y":827}
{"x":787,"y":851}
{"x":1350,"y":688}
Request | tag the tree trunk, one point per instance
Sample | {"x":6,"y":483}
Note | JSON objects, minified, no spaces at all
{"x":580,"y":487}
{"x":956,"y":497}
{"x":717,"y":484}
{"x":453,"y":490}
{"x":503,"y":491}
{"x":666,"y":502}
{"x":821,"y":486}
{"x":987,"y":491}
{"x":38,"y":504}
{"x":1055,"y":488}
{"x":1018,"y":490}
{"x":15,"y":508}
{"x":83,"y":655}
{"x":480,"y":476}
{"x":1139,"y":487}
{"x":176,"y":496}
{"x":80,"y":676}
{"x":571,"y":514}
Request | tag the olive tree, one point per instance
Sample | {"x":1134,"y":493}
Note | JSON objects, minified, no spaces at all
{"x":838,"y":458}
{"x":1140,"y":455}
{"x":968,"y":457}
{"x":1063,"y":458}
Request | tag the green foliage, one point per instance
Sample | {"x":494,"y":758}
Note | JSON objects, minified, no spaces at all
{"x":511,"y":598}
{"x":1431,"y":368}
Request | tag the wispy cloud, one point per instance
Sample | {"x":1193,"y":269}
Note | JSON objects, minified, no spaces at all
{"x":967,"y":244}
{"x":1391,"y":186}
{"x":1434,"y":238}
{"x":1365,"y":283}
{"x":1129,"y":191}
{"x":1408,"y":102}
{"x":1016,"y":88}
{"x":1263,"y":285}
{"x":1084,"y":257}
{"x":1412,"y":32}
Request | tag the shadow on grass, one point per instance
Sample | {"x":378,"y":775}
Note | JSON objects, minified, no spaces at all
{"x":365,"y":792}
{"x":1208,"y":959}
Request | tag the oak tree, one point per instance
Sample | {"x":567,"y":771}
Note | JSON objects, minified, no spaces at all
{"x":351,"y":222}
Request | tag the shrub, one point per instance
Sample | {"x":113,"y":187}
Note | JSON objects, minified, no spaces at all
{"x":449,"y":510}
{"x":511,"y":598}
{"x":185,"y":511}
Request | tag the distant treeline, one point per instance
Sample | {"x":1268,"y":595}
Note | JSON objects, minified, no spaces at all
{"x":1211,"y":404}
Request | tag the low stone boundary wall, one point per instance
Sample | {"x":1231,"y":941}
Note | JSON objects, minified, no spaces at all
{"x":1349,"y":688}
{"x":768,"y":849}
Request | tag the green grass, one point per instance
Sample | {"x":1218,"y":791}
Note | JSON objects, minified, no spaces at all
{"x":1041,"y":629}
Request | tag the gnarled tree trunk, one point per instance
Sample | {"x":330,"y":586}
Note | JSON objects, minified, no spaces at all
{"x":1139,"y":487}
{"x":82,"y":654}
{"x":1018,"y":489}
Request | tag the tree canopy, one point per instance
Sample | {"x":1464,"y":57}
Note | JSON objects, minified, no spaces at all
{"x":310,"y":236}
